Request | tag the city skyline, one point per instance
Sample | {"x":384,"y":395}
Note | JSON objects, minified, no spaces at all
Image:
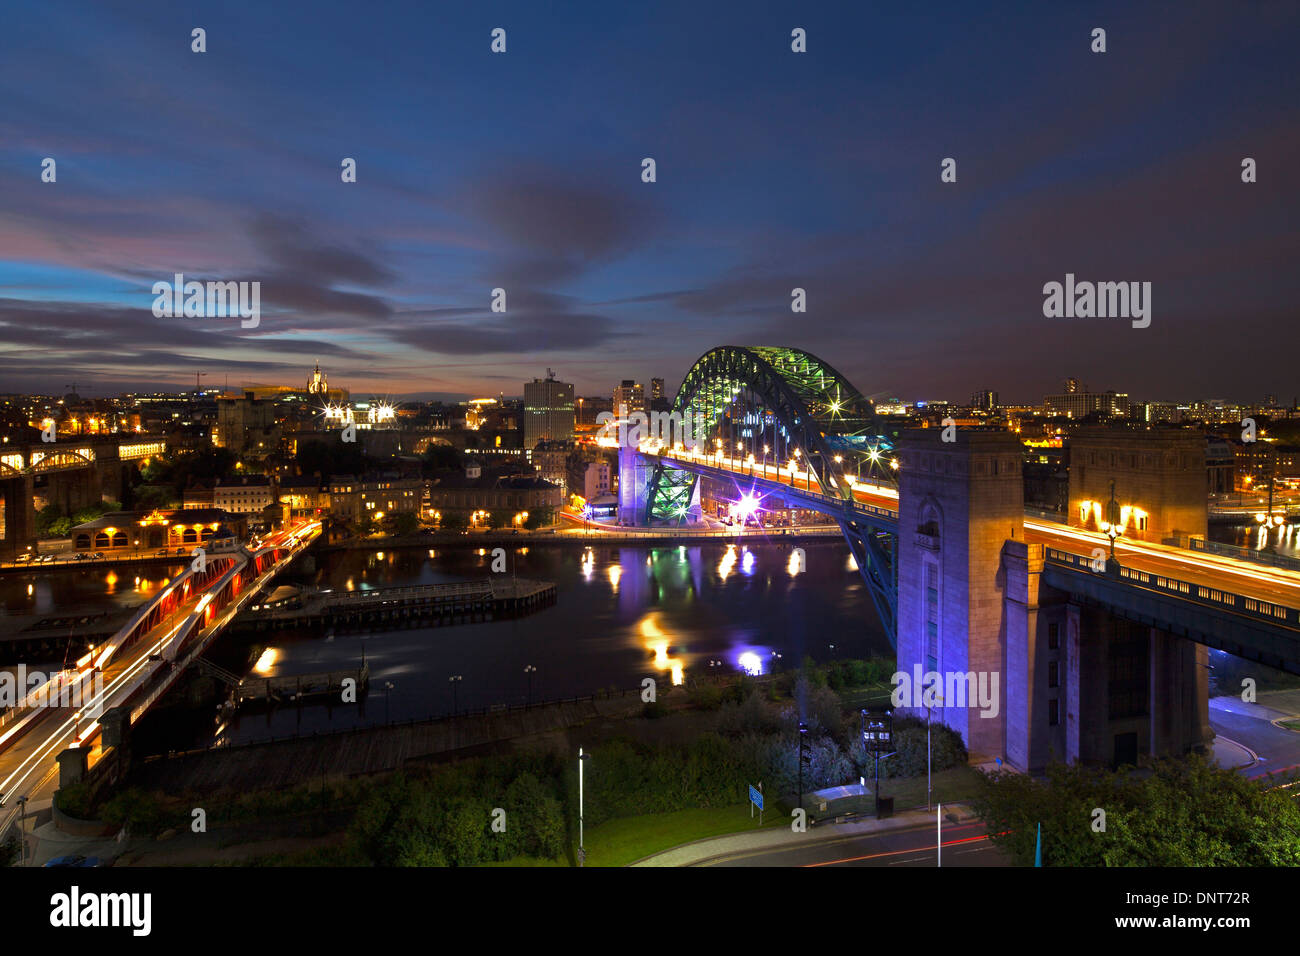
{"x":775,"y":171}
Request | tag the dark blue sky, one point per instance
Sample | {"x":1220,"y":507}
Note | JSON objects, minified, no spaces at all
{"x":775,"y":170}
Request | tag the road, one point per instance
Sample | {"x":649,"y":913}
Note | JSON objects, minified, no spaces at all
{"x":29,"y":746}
{"x":964,"y":844}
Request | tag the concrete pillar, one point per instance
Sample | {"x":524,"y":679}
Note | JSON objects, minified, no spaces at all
{"x":1086,"y":702}
{"x":959,"y":503}
{"x":72,"y":766}
{"x":1179,"y":695}
{"x":20,"y":515}
{"x":1026,"y":721}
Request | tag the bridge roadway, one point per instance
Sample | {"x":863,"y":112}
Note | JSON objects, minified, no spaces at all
{"x":133,"y":669}
{"x":1277,"y":588}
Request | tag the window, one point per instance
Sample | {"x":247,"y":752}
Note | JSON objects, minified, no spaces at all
{"x":1053,"y":636}
{"x":1053,"y":674}
{"x":1053,"y":712}
{"x":931,"y":579}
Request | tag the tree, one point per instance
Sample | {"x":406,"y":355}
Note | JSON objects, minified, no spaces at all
{"x":539,"y":517}
{"x":441,"y":459}
{"x":455,"y":519}
{"x":404,"y":522}
{"x":1184,"y":813}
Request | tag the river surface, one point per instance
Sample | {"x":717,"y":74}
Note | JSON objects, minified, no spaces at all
{"x":622,"y":614}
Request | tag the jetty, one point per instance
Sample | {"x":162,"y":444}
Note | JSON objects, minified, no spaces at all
{"x":427,"y":605}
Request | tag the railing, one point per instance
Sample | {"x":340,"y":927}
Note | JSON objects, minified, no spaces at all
{"x":1186,"y":590}
{"x":488,"y":711}
{"x":1243,"y":554}
{"x":834,"y":504}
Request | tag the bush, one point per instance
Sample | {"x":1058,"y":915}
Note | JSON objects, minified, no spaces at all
{"x":754,"y":715}
{"x":140,"y":812}
{"x":1185,"y":813}
{"x":909,"y":759}
{"x":75,"y":801}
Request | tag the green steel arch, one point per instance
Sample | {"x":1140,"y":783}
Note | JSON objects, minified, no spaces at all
{"x":811,"y":408}
{"x":811,"y":412}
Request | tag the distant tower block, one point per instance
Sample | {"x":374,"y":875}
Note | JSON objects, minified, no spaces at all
{"x":959,"y":502}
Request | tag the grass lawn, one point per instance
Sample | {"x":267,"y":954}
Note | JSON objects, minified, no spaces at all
{"x":1290,"y":724}
{"x":620,"y":842}
{"x":949,"y":786}
{"x":623,"y":841}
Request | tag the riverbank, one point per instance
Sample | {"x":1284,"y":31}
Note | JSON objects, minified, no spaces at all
{"x":583,"y":539}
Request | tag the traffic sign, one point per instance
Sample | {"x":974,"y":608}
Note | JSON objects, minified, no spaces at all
{"x":756,"y":797}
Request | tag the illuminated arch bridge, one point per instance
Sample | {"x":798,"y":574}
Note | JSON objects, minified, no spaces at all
{"x":784,"y":425}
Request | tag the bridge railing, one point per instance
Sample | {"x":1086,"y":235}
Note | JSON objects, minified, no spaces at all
{"x":1255,"y":608}
{"x":1252,"y":555}
{"x":834,"y":504}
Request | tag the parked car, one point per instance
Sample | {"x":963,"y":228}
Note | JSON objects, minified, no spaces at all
{"x":99,"y":555}
{"x":73,"y":860}
{"x":22,"y":559}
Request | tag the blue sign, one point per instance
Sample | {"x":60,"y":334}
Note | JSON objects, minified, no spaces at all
{"x":756,"y":797}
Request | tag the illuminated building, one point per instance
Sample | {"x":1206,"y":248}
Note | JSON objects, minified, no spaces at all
{"x":548,"y":411}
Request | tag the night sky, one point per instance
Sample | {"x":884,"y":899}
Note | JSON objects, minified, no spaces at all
{"x":775,"y":170}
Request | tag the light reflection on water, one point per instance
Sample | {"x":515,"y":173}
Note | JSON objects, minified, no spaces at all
{"x":622,"y":614}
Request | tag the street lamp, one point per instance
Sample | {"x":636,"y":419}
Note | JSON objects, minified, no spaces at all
{"x":455,"y":697}
{"x":938,"y":696}
{"x":1112,"y":526}
{"x":582,"y":850}
{"x":877,"y":736}
{"x":388,"y":686}
{"x":803,"y":745}
{"x":22,"y":831}
{"x":530,"y":670}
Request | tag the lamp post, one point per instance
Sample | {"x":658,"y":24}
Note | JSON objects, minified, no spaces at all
{"x":530,"y":670}
{"x":22,"y":831}
{"x":877,"y":735}
{"x":1113,"y":529}
{"x":938,"y":697}
{"x":388,"y":687}
{"x":582,"y":849}
{"x":455,"y":680}
{"x":803,"y":744}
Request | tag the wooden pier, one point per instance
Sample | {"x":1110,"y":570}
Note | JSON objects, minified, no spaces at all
{"x":300,"y":685}
{"x":405,"y":607}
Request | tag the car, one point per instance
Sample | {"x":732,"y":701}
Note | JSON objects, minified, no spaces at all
{"x":22,"y":559}
{"x":181,"y":551}
{"x":73,"y":859}
{"x":99,"y":555}
{"x":46,"y":558}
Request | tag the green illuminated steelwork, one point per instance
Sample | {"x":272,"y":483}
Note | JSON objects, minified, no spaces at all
{"x":787,"y":406}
